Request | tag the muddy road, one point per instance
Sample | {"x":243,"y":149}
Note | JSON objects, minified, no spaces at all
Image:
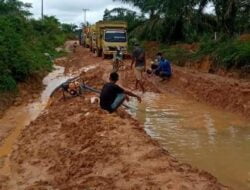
{"x":73,"y":144}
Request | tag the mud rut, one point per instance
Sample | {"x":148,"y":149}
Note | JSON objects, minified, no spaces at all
{"x":75,"y":145}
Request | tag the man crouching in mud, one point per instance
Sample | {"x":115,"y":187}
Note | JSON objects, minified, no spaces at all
{"x":112,"y":96}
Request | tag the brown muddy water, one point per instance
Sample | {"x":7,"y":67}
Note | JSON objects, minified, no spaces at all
{"x":207,"y":138}
{"x":16,"y":118}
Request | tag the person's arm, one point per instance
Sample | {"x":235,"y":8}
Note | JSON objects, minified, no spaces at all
{"x":160,"y":66}
{"x":132,"y":94}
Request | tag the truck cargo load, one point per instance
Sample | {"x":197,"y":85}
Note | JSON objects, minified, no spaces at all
{"x":86,"y":36}
{"x":92,"y":39}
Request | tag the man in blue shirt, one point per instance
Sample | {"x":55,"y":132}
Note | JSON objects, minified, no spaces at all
{"x":164,"y":68}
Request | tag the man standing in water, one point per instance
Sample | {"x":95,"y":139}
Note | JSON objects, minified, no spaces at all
{"x":112,"y":96}
{"x":139,"y":59}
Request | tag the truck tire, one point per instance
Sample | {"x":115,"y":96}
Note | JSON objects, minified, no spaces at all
{"x":99,"y":53}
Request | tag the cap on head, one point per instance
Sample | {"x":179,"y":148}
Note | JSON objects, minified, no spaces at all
{"x":159,"y":54}
{"x":137,"y":44}
{"x":114,"y":77}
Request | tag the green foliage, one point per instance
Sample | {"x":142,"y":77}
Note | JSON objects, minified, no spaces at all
{"x":123,"y":14}
{"x":227,"y":53}
{"x":172,"y":21}
{"x":24,"y":41}
{"x":177,"y":55}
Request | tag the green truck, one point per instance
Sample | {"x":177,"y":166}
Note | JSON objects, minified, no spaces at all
{"x":109,"y":36}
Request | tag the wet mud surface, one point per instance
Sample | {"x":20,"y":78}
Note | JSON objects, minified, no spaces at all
{"x":75,"y":145}
{"x":224,"y":93}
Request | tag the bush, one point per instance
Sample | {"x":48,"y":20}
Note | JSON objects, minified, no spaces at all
{"x":227,"y":53}
{"x":176,"y":54}
{"x":24,"y":41}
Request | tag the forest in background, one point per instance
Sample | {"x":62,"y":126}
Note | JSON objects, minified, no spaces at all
{"x":25,"y":41}
{"x":171,"y":22}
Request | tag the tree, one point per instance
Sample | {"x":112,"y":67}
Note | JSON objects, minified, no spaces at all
{"x":185,"y":20}
{"x":123,"y":14}
{"x":23,"y":42}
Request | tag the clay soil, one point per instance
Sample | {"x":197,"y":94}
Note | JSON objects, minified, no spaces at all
{"x":75,"y":145}
{"x":224,"y":93}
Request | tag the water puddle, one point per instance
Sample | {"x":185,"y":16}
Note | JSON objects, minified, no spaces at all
{"x":207,"y":138}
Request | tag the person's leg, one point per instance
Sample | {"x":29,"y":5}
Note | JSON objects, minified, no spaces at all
{"x":136,"y":84}
{"x":138,"y":77}
{"x":118,"y":101}
{"x":164,"y":75}
{"x":142,"y":86}
{"x":141,"y":80}
{"x":157,"y":73}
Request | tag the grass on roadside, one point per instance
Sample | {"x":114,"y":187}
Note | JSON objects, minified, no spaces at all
{"x":226,"y":53}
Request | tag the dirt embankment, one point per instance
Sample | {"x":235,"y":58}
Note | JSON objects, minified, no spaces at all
{"x":76,"y":145}
{"x":229,"y":94}
{"x":27,"y":91}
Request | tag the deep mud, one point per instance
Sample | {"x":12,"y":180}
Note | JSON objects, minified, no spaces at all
{"x":75,"y":145}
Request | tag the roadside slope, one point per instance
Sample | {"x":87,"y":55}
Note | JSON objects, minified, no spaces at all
{"x":225,"y":93}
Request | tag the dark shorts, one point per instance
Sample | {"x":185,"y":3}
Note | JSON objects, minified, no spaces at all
{"x":164,"y":75}
{"x":154,"y":66}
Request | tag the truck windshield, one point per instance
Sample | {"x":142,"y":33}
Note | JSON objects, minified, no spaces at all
{"x":115,"y":36}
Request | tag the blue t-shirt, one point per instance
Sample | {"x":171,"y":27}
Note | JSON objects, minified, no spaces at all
{"x":164,"y":66}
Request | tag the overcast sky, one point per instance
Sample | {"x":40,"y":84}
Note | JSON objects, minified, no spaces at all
{"x":70,"y":11}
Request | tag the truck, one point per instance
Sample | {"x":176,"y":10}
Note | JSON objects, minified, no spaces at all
{"x":109,"y":36}
{"x":86,"y":36}
{"x":92,"y":39}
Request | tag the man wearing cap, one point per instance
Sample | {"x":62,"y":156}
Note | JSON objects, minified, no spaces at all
{"x":164,"y":68}
{"x":139,"y":60}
